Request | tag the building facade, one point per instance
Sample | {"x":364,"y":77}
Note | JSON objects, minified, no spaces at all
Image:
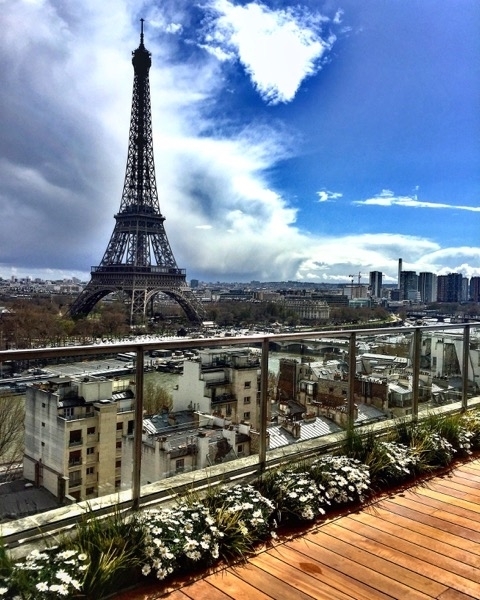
{"x":408,"y":285}
{"x":224,"y":382}
{"x":427,"y":286}
{"x":74,"y":430}
{"x":376,"y":284}
{"x":450,"y":287}
{"x":475,"y":289}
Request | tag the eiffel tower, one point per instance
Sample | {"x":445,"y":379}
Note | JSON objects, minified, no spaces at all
{"x":138,"y":260}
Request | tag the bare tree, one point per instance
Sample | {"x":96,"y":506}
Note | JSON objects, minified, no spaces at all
{"x":155,"y":398}
{"x":12,"y":416}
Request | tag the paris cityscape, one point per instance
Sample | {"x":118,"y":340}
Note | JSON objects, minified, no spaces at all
{"x":243,"y":348}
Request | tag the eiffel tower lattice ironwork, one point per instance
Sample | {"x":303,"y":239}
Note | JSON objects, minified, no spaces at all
{"x":138,"y":260}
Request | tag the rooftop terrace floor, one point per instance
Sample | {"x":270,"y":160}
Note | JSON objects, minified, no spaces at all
{"x":418,"y":543}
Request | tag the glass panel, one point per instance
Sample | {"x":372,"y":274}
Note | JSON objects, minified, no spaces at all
{"x":202,"y":409}
{"x":308,"y":387}
{"x":441,"y":367}
{"x":474,"y":365}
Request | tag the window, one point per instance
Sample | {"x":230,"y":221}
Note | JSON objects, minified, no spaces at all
{"x":43,"y":424}
{"x":90,"y":491}
{"x":118,"y":444}
{"x":180,"y":464}
{"x":43,"y":405}
{"x":246,"y":416}
{"x":247,"y":385}
{"x":75,"y":458}
{"x":90,"y":451}
{"x":120,"y":426}
{"x":117,"y":484}
{"x":68,"y":412}
{"x":246,"y":400}
{"x":240,"y":449}
{"x":75,"y":437}
{"x":75,"y":478}
{"x":90,"y":470}
{"x":118,"y":464}
{"x":90,"y":430}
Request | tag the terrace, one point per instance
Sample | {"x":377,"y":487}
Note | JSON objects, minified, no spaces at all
{"x":25,"y":533}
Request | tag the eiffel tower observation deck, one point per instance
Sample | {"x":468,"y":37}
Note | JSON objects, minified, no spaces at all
{"x":138,"y":261}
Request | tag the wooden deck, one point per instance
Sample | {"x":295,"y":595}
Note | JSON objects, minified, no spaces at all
{"x":419,"y":543}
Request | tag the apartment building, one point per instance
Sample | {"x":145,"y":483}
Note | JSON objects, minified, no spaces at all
{"x":185,"y":441}
{"x":224,"y":382}
{"x":74,"y":430}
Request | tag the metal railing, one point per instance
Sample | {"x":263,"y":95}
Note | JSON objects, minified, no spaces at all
{"x":351,"y":337}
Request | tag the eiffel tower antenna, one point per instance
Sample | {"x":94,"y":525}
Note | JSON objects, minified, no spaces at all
{"x":138,"y":260}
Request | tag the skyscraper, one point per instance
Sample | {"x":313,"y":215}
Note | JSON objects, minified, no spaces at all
{"x":450,"y":287}
{"x":408,"y":285}
{"x":376,"y":284}
{"x":427,"y":286}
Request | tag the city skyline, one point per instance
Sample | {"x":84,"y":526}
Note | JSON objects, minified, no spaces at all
{"x":291,"y":142}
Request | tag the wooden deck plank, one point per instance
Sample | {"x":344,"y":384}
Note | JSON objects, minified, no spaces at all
{"x":409,"y":541}
{"x":447,"y":495}
{"x":229,"y":582}
{"x":274,"y":586}
{"x":454,"y":595}
{"x":443,"y":505}
{"x":431,"y":563}
{"x":462,"y":489}
{"x":202,"y":590}
{"x":364,"y":552}
{"x":442,"y":518}
{"x":325,"y":574}
{"x":304,"y":582}
{"x":399,"y":507}
{"x":370,"y":574}
{"x":438,"y":535}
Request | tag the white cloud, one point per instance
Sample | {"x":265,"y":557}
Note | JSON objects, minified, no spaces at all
{"x":64,"y":114}
{"x":387,"y":198}
{"x":326,"y":196}
{"x":278,"y":48}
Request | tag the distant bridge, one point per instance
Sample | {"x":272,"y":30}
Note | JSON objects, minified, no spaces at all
{"x":321,"y":346}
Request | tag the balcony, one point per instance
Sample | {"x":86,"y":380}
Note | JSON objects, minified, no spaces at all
{"x":424,"y":398}
{"x":76,"y":442}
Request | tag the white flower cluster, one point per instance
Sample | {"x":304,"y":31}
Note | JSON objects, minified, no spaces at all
{"x":255,"y":509}
{"x":465,"y":438}
{"x":401,"y":460}
{"x":51,"y":573}
{"x":344,"y":479}
{"x":300,"y":495}
{"x":175,"y":537}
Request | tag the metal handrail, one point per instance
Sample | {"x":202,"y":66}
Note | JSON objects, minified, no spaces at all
{"x":351,"y":336}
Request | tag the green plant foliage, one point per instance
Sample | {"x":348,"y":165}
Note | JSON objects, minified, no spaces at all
{"x":112,"y":545}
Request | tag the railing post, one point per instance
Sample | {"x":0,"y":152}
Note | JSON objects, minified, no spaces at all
{"x":137,"y":432}
{"x":352,"y":368}
{"x":417,"y":337}
{"x":465,"y":361}
{"x":262,"y":451}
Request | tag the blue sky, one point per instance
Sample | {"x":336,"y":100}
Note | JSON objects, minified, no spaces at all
{"x":293,"y":141}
